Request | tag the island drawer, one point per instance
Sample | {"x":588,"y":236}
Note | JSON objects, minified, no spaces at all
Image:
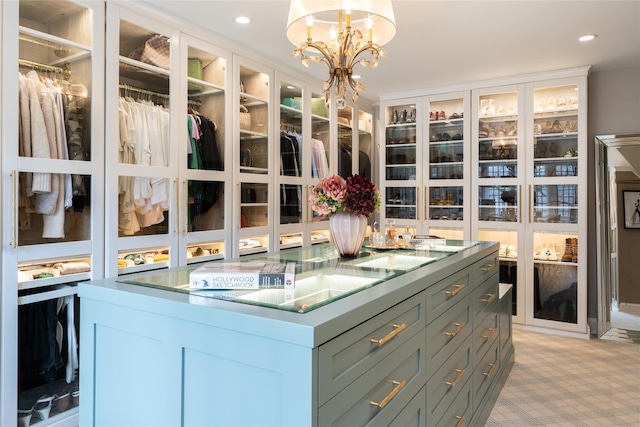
{"x":444,"y":294}
{"x":484,"y":296}
{"x":484,"y":373}
{"x":349,"y":355}
{"x":482,"y":269}
{"x":414,"y":414}
{"x":446,"y":383}
{"x":484,"y":334}
{"x":379,"y":396}
{"x":460,"y":413}
{"x":446,"y":333}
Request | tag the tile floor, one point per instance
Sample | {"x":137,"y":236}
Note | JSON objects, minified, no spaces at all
{"x":560,"y":382}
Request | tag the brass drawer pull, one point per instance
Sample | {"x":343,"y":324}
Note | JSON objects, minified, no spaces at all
{"x":457,"y":331}
{"x":488,"y":267}
{"x":461,"y":420}
{"x":493,"y":367}
{"x":488,"y":300}
{"x":457,"y":289}
{"x":396,"y":330}
{"x":490,"y":334}
{"x":458,"y":378}
{"x":399,"y":385}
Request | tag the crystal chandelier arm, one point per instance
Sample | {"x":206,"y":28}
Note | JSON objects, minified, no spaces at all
{"x":367,"y":47}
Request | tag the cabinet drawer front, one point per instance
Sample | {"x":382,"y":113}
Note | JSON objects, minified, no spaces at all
{"x":484,"y":334}
{"x":349,"y":355}
{"x":446,"y":333}
{"x":484,"y":268}
{"x":460,"y":412}
{"x":486,"y":295}
{"x":414,"y":414}
{"x":444,"y":294}
{"x":447,"y":382}
{"x":377,"y":397}
{"x":484,"y":374}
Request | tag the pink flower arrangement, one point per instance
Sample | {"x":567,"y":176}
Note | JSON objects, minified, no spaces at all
{"x":356,"y":195}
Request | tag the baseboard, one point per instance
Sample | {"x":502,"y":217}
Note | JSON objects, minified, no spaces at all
{"x":630,"y":308}
{"x":549,"y":331}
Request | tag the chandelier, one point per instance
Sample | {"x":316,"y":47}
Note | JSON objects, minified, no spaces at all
{"x":338,"y":32}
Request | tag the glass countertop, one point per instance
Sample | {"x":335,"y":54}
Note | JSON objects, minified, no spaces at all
{"x":321,"y":277}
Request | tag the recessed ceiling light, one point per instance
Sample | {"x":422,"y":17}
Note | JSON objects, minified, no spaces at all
{"x":587,"y":37}
{"x":242,"y":20}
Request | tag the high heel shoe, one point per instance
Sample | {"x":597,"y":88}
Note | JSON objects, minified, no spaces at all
{"x":43,"y":407}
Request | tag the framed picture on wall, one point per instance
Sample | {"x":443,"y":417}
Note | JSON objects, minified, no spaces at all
{"x":631,"y":203}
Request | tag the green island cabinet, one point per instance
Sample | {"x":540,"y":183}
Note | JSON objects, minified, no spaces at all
{"x":416,"y":337}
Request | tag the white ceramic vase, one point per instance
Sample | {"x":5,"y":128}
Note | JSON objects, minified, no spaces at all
{"x":347,"y":233}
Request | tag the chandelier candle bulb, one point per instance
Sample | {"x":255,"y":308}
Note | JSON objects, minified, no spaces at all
{"x":348,"y":19}
{"x":309,"y":27}
{"x":369,"y":30}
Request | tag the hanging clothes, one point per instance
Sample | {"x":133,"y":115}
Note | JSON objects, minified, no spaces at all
{"x":144,"y":140}
{"x":42,"y":133}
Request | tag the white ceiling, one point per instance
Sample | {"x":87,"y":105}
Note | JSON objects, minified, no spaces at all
{"x":440,"y":43}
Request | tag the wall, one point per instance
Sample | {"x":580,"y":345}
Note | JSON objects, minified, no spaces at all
{"x":614,"y":108}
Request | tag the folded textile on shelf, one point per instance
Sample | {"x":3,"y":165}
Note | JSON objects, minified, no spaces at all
{"x":72,"y":267}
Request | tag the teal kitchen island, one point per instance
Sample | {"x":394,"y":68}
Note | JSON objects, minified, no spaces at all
{"x":392,"y":337}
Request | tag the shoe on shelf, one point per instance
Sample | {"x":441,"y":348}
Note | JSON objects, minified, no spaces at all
{"x":442,"y":115}
{"x":544,"y":253}
{"x":553,"y":256}
{"x":503,"y":251}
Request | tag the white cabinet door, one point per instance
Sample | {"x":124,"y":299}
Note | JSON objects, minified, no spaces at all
{"x":52,"y":221}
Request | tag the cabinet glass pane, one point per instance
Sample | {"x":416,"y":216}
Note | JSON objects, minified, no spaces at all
{"x":555,"y":129}
{"x":365,"y":143}
{"x":555,"y":203}
{"x":144,"y":97}
{"x":290,"y":130}
{"x":400,"y":202}
{"x":400,"y":143}
{"x":498,"y":203}
{"x":290,"y":204}
{"x":320,"y":129}
{"x":54,"y":101}
{"x":555,"y":277}
{"x":60,"y":215}
{"x":254,"y":121}
{"x":254,"y":204}
{"x":498,"y":135}
{"x":143,"y":206}
{"x":445,"y":203}
{"x":446,"y":136}
{"x":206,"y":118}
{"x":205,"y":205}
{"x":345,"y":142}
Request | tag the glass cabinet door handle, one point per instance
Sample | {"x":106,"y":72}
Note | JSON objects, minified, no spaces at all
{"x":530,"y":206}
{"x":14,"y":207}
{"x":426,"y":205}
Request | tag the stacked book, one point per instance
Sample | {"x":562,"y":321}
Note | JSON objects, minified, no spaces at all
{"x":243,"y":275}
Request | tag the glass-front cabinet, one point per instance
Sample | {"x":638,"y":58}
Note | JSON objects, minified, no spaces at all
{"x":530,"y":198}
{"x":253,"y":171}
{"x":446,"y":185}
{"x":498,"y":179}
{"x":292,"y":165}
{"x":320,"y":163}
{"x":557,"y":203}
{"x":425,"y":168}
{"x":204,"y":192}
{"x":401,"y":154}
{"x":52,"y":221}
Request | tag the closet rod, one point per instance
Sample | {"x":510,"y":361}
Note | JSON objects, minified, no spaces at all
{"x":143,"y":91}
{"x":65,"y":71}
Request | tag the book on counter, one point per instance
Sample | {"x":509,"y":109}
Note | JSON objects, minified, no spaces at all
{"x":244,"y":275}
{"x":427,"y":240}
